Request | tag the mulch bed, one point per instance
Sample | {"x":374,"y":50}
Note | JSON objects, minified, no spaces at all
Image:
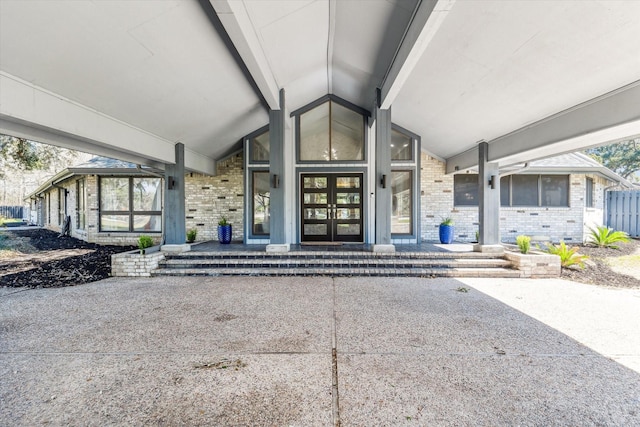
{"x":58,"y":261}
{"x":596,"y":270}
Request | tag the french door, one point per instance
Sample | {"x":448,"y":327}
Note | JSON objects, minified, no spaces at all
{"x":331,"y":207}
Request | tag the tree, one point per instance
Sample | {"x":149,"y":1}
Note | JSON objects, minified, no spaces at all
{"x":20,"y":155}
{"x":623,"y":158}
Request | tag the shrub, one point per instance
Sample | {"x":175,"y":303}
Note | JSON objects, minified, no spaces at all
{"x":223,"y":221}
{"x":524,"y":243}
{"x":145,"y":242}
{"x":605,"y":237}
{"x":568,"y":255}
{"x":191,"y":235}
{"x":446,"y":221}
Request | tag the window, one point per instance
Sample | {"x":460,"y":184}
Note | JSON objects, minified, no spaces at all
{"x":465,"y":189}
{"x":61,"y":203}
{"x":588,"y":197}
{"x":260,"y":217}
{"x":81,"y":204}
{"x":524,"y":190}
{"x":516,"y":190}
{"x":331,"y":132}
{"x":259,"y":148}
{"x":130,"y":204}
{"x":401,"y":146}
{"x":401,"y":202}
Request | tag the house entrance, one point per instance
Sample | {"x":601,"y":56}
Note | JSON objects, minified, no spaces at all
{"x":331,"y":207}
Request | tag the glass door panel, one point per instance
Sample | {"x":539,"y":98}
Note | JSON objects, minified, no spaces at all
{"x":329,"y":213}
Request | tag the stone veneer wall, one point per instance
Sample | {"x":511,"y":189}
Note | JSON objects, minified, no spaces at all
{"x":568,"y":224}
{"x":209,"y":198}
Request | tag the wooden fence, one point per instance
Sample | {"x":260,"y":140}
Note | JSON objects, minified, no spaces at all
{"x":12,"y":211}
{"x":623,"y":211}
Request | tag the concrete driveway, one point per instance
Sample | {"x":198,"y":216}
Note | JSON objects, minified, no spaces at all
{"x":320,"y":352}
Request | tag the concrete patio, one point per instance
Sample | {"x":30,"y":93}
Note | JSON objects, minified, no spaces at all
{"x":320,"y":351}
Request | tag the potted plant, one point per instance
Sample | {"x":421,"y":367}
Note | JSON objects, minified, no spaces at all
{"x":446,"y":230}
{"x":191,"y":235}
{"x":224,"y":231}
{"x":144,"y":242}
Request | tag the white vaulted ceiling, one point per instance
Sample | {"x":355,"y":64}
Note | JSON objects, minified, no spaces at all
{"x":130,"y":79}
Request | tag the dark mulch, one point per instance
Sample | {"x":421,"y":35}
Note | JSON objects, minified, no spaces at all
{"x":598,"y":272}
{"x":58,"y":261}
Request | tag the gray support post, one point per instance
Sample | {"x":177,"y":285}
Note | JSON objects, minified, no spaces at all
{"x":383,"y":182}
{"x":277,"y":179}
{"x":174,"y":203}
{"x":488,"y":203}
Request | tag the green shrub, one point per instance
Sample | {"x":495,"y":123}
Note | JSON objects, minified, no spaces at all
{"x":446,"y":221}
{"x":223,"y":221}
{"x":524,"y":243}
{"x":568,"y":255}
{"x":605,"y":237}
{"x":145,"y":242}
{"x":191,"y":235}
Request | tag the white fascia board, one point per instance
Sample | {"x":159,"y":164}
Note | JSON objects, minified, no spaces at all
{"x":196,"y":162}
{"x":425,"y":23}
{"x":236,"y":22}
{"x":35,"y":113}
{"x":610,"y":118}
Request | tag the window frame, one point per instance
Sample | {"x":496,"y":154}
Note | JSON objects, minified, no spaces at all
{"x":510,"y":191}
{"x":252,"y":233}
{"x":343,"y":103}
{"x":131,"y":213}
{"x":248,"y":138}
{"x":81,"y":204}
{"x":412,"y":197}
{"x":589,"y":192}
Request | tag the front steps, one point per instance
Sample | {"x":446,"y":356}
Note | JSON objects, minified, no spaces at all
{"x":344,"y":264}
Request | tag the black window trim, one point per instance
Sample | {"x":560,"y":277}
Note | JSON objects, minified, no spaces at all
{"x":248,"y":138}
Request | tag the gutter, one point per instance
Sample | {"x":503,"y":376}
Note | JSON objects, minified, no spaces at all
{"x":149,"y":171}
{"x":515,"y":171}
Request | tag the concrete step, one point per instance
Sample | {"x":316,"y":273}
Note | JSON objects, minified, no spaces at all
{"x":341,"y":272}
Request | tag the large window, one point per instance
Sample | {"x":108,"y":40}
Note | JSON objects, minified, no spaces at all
{"x":401,"y":146}
{"x":401,"y":202}
{"x":130,"y":204}
{"x":331,"y":132}
{"x":259,"y":147}
{"x":81,"y":205}
{"x":465,"y":190}
{"x":260,"y":217}
{"x":517,"y":190}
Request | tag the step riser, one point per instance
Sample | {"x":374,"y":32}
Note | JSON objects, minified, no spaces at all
{"x":347,"y":273}
{"x":329,"y":265}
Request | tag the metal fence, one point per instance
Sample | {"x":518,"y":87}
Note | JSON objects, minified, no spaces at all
{"x":623,"y":211}
{"x":12,"y":211}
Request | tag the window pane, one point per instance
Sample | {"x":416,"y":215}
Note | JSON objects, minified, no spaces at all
{"x":315,"y":182}
{"x":555,"y":190}
{"x":315,"y":213}
{"x":401,"y":146}
{"x":348,"y":229}
{"x":524,"y":190}
{"x":261,"y":202}
{"x":347,"y":134}
{"x":315,"y":198}
{"x":504,"y":191}
{"x":348,"y":182}
{"x":401,"y":202}
{"x":348,"y":213}
{"x":114,"y":222}
{"x":114,"y":194}
{"x":260,"y":147}
{"x":588,"y":201}
{"x":315,"y":229}
{"x":348,"y":198}
{"x":147,"y":195}
{"x":149,"y":223}
{"x":314,"y":134}
{"x":465,"y":188}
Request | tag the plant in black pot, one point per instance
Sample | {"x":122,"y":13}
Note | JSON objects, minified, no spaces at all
{"x":446,"y":230}
{"x":224,"y":231}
